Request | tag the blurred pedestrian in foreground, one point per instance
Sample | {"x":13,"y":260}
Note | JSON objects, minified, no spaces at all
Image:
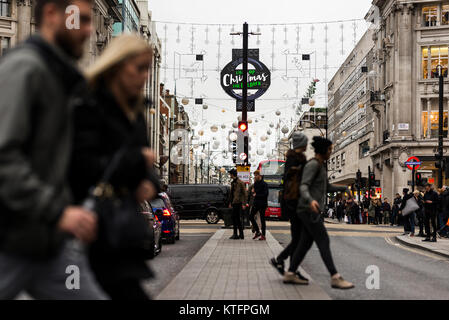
{"x":237,"y":201}
{"x":39,"y":83}
{"x":110,"y":123}
{"x":443,"y":231}
{"x":313,"y":189}
{"x":293,"y":170}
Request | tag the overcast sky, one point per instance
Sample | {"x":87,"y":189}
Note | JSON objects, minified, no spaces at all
{"x":278,"y":48}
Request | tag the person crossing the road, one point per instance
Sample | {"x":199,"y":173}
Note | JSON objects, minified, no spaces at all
{"x":292,"y":178}
{"x":237,"y":201}
{"x":260,"y":204}
{"x":313,"y":189}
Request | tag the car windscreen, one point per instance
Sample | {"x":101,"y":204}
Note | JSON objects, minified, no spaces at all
{"x":157,"y":204}
{"x":273,"y":198}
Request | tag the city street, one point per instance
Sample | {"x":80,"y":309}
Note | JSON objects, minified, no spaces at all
{"x":405,"y":272}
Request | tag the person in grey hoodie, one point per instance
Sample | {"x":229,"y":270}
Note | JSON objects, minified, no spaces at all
{"x":313,"y":189}
{"x":41,"y":232}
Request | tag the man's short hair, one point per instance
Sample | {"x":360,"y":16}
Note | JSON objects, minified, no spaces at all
{"x":321,"y":145}
{"x":257,"y":173}
{"x":233,"y":172}
{"x":429,"y":185}
{"x":40,"y":4}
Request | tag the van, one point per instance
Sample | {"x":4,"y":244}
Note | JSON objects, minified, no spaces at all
{"x":209,"y":202}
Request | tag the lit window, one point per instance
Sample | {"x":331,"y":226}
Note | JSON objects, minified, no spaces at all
{"x":364,"y":149}
{"x":425,"y":123}
{"x":434,"y":122}
{"x":430,"y":62}
{"x":445,"y":14}
{"x":430,"y":16}
{"x":5,"y":8}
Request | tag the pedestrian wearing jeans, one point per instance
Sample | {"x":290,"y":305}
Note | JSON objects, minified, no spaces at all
{"x":292,"y":178}
{"x":430,"y":213}
{"x":237,"y":202}
{"x":41,"y":232}
{"x":260,"y":204}
{"x":313,"y":189}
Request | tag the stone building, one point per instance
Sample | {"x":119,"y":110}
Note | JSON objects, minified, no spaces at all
{"x":350,"y":117}
{"x":410,"y":40}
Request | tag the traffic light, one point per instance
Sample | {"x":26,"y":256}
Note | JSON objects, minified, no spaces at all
{"x":372,"y":179}
{"x":420,"y":181}
{"x":243,"y":126}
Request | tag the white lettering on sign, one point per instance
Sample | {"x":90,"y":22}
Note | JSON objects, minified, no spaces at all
{"x":403,"y":126}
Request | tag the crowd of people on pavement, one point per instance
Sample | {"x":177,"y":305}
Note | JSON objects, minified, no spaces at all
{"x":429,"y":211}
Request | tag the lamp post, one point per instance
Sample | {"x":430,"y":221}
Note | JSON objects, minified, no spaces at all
{"x":440,"y":126}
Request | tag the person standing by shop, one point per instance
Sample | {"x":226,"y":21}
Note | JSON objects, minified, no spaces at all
{"x":409,"y":228}
{"x":372,"y":212}
{"x":386,"y":209}
{"x":294,"y":165}
{"x":430,"y":213}
{"x":313,"y":189}
{"x":237,"y":201}
{"x":260,"y":203}
{"x":395,"y":210}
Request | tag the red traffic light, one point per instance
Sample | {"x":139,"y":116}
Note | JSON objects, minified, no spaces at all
{"x":243,"y":126}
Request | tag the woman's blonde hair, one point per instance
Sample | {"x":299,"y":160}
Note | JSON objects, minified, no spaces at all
{"x":416,"y":193}
{"x":118,"y":50}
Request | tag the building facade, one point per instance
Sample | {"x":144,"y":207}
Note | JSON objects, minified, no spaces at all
{"x":411,"y":40}
{"x":350,"y":118}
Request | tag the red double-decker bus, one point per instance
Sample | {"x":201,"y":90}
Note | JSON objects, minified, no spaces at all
{"x":272,"y":171}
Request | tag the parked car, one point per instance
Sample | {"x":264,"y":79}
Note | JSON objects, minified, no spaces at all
{"x":207,"y":202}
{"x":169,"y":219}
{"x":173,"y":212}
{"x":155,"y":247}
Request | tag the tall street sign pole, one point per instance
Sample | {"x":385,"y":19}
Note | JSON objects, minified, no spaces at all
{"x":245,"y":87}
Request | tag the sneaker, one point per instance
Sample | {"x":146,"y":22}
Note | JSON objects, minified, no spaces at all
{"x":257,"y":235}
{"x":300,"y":276}
{"x":279,"y":266}
{"x":340,"y":283}
{"x":262,"y":238}
{"x":241,"y":237}
{"x":292,"y":278}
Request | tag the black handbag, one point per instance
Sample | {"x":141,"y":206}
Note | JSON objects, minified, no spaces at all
{"x":121,"y":225}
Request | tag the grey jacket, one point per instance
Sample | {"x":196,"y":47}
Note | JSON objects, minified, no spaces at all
{"x":35,"y":144}
{"x":314,"y":186}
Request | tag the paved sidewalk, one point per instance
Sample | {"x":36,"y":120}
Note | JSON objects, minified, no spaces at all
{"x":441,"y":247}
{"x":236,"y":270}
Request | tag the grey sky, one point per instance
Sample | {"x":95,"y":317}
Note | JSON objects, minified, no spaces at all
{"x":278,"y":49}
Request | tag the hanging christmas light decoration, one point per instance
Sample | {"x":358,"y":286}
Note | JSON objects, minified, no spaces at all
{"x":285,"y":130}
{"x":260,"y":152}
{"x":278,"y":113}
{"x":223,"y":111}
{"x":342,"y":39}
{"x":201,"y":133}
{"x":207,"y":35}
{"x":285,"y":35}
{"x":298,"y":37}
{"x":178,"y":30}
{"x":258,"y":36}
{"x":223,"y":126}
{"x":233,"y":137}
{"x":152,"y":111}
{"x":205,"y":106}
{"x":235,"y":125}
{"x":269,"y":132}
{"x":271,"y":125}
{"x":214,"y":128}
{"x":185,"y":101}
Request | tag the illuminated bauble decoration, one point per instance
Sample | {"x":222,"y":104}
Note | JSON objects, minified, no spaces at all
{"x":257,"y":121}
{"x":194,"y":123}
{"x":278,"y":113}
{"x":269,"y":132}
{"x":215,"y":147}
{"x":214,"y":128}
{"x":285,"y":130}
{"x":235,"y":125}
{"x":201,"y":133}
{"x":185,"y":101}
{"x":250,"y":121}
{"x":152,"y":111}
{"x":260,"y":152}
{"x":196,"y":146}
{"x":249,"y":148}
{"x":271,"y":125}
{"x":222,"y":170}
{"x":263,"y":117}
{"x":263,"y":138}
{"x":205,"y":106}
{"x":344,"y":133}
{"x":311,"y":102}
{"x":233,"y":137}
{"x":223,"y":126}
{"x":223,"y":110}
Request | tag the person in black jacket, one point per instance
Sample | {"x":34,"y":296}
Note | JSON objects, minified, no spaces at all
{"x":420,"y":212}
{"x":111,"y":122}
{"x":409,"y":220}
{"x":395,"y":210}
{"x":260,"y":203}
{"x":294,"y":164}
{"x":430,"y":213}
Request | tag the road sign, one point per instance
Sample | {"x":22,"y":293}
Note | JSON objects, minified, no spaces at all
{"x":251,"y":106}
{"x":413,"y":161}
{"x":243,"y":173}
{"x":243,"y":156}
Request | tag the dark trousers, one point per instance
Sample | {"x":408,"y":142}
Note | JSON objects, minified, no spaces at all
{"x":430,"y":217}
{"x":129,"y":289}
{"x":261,"y":209}
{"x":420,"y":217}
{"x":295,"y":229}
{"x":312,"y":231}
{"x":237,"y":218}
